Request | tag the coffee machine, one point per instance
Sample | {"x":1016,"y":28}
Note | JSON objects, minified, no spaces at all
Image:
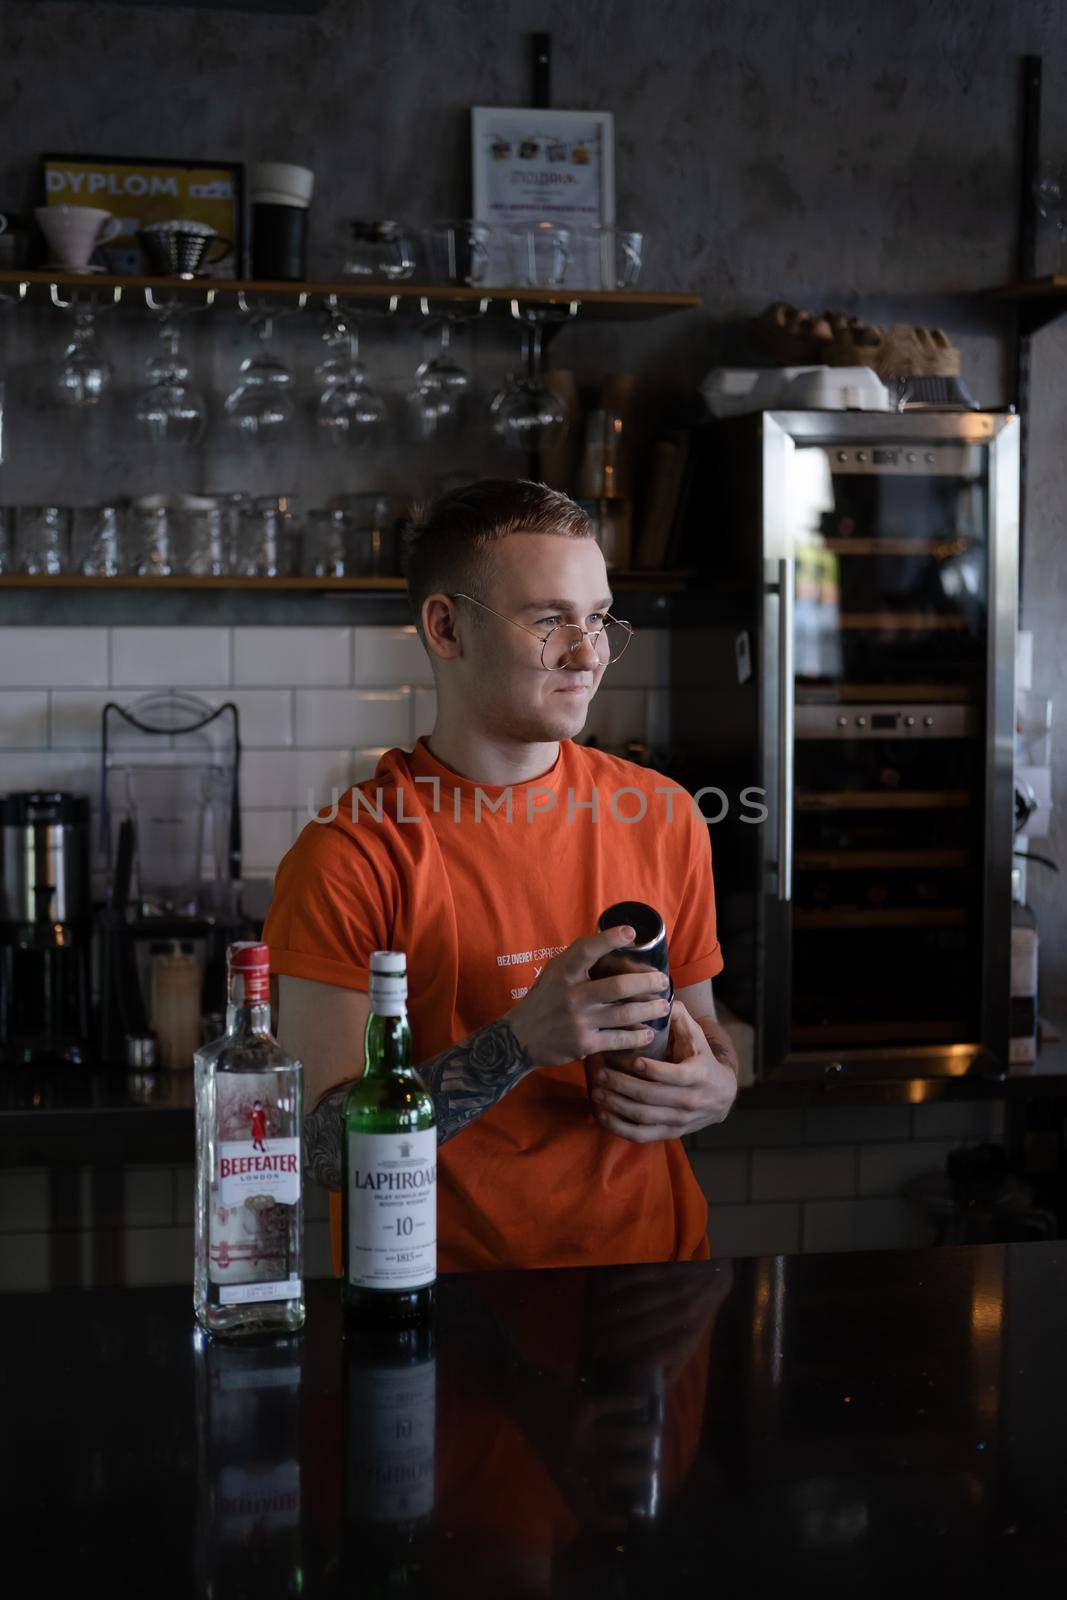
{"x":45,"y":929}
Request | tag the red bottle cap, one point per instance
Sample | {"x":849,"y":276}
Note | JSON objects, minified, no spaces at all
{"x":249,"y":964}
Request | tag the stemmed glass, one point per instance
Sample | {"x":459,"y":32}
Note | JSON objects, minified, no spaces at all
{"x":84,"y":373}
{"x":260,"y":407}
{"x":527,"y":412}
{"x":171,"y":410}
{"x":348,"y":410}
{"x":435,"y":403}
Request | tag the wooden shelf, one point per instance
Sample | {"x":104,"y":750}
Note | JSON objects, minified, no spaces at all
{"x":875,"y":860}
{"x":903,"y":621}
{"x":896,"y":917}
{"x":876,"y":800}
{"x":941,"y":548}
{"x":657,"y":582}
{"x":603,"y":304}
{"x":1040,"y":300}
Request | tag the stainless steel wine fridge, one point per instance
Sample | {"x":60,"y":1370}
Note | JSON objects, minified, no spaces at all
{"x":843,"y":690}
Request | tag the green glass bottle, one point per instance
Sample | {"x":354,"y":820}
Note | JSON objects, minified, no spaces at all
{"x":389,"y":1165}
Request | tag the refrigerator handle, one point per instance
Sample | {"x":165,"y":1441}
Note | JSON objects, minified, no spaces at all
{"x":786,"y":593}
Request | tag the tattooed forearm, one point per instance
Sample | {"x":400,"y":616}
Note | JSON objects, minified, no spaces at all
{"x":469,"y":1077}
{"x":465,"y":1080}
{"x":322,"y":1138}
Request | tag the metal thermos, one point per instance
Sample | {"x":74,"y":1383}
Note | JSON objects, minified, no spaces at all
{"x":647,"y":953}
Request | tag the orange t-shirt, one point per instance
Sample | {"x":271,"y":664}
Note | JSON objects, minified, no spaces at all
{"x":479,"y":904}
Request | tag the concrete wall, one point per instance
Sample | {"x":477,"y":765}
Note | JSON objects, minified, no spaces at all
{"x":826,"y":151}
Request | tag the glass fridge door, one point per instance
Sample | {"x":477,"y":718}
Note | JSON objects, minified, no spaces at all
{"x":890,"y":546}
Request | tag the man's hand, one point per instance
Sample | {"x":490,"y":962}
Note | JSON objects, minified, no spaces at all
{"x":567,"y":1015}
{"x":665,"y":1099}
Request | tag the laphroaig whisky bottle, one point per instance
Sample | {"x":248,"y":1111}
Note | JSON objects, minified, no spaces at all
{"x":389,"y":1164}
{"x":249,"y":1207}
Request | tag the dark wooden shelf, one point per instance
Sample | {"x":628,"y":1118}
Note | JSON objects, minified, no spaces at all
{"x":603,"y":304}
{"x":1040,"y":300}
{"x":654,"y":582}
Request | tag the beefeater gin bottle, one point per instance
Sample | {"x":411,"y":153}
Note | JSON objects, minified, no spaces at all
{"x":249,"y":1274}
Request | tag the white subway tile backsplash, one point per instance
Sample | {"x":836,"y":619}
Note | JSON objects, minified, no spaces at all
{"x":271,"y":779}
{"x":389,"y":656}
{"x":721,"y":1174}
{"x":615,"y":715}
{"x":754,"y":1125}
{"x":265,"y":837}
{"x":25,"y":1263}
{"x":754,"y":1230}
{"x":353,"y":717}
{"x":23,"y":719}
{"x":884,"y":1167}
{"x":855,"y":1124}
{"x":265,"y":715}
{"x":868,"y":1224}
{"x":49,"y":657}
{"x":959,"y":1120}
{"x":803,"y":1173}
{"x":292,"y":657}
{"x":149,"y":658}
{"x":24,"y":1203}
{"x":76,"y":770}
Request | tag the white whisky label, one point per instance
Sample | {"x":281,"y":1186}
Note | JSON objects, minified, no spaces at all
{"x":392,"y":1209}
{"x":269,"y":1167}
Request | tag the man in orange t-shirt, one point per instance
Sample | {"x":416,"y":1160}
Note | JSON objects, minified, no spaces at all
{"x":487,"y":853}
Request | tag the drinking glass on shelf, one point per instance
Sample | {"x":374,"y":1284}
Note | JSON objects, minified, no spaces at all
{"x":98,"y":542}
{"x":372,"y":534}
{"x":379,"y":250}
{"x":266,"y":538}
{"x":260,"y":407}
{"x":327,"y":541}
{"x":171,"y":410}
{"x":42,"y":540}
{"x":540,"y":253}
{"x":458,"y":252}
{"x":206,"y":542}
{"x":527,"y":412}
{"x":605,"y":257}
{"x":349,"y":411}
{"x":84,"y":373}
{"x":154,"y":540}
{"x":435,"y":403}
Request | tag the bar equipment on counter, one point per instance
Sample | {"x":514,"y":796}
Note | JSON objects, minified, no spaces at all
{"x":170,"y":820}
{"x":857,"y":624}
{"x":45,"y":929}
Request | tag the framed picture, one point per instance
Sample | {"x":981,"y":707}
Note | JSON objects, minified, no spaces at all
{"x":140,"y":191}
{"x":531,"y":166}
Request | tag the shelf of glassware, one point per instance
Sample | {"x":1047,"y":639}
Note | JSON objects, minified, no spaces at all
{"x":603,"y":304}
{"x":658,"y":582}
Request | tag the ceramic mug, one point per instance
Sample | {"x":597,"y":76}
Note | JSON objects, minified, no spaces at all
{"x":72,"y":233}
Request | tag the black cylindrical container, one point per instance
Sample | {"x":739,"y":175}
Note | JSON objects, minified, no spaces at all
{"x":647,"y":953}
{"x":279,"y":242}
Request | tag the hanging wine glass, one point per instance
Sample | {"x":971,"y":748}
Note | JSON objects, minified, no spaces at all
{"x":171,"y":410}
{"x":261,"y":406}
{"x":348,"y":410}
{"x":84,"y":373}
{"x":435,"y":403}
{"x":527,"y":412}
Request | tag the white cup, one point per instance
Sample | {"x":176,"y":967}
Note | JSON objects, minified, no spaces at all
{"x":72,"y":233}
{"x":297,"y":184}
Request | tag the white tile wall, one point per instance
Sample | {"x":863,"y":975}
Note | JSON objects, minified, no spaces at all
{"x":288,"y":657}
{"x":318,"y":706}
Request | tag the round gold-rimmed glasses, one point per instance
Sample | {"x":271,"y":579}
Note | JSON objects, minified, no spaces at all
{"x":560,"y":644}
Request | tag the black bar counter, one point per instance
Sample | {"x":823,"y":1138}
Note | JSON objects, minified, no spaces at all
{"x":876,"y":1424}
